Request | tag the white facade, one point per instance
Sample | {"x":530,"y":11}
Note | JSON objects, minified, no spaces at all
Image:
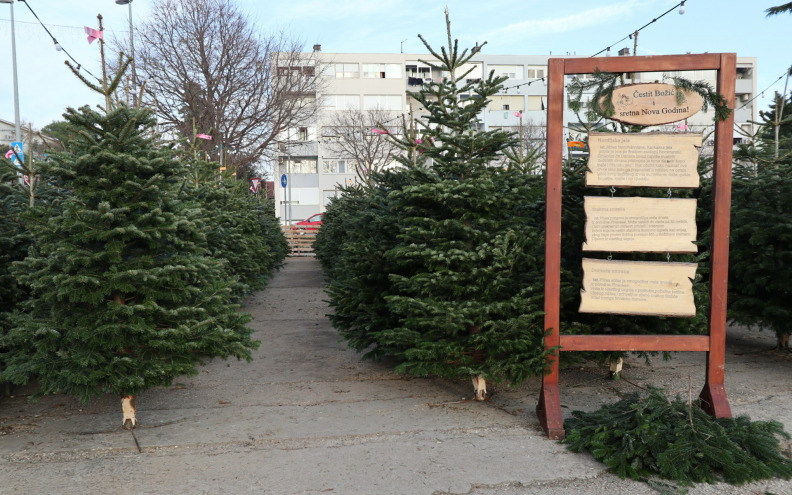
{"x":368,"y":81}
{"x":32,"y":139}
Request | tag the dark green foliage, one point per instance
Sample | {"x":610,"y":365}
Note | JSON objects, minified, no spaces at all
{"x":14,"y":241}
{"x":573,"y":236}
{"x":675,"y":440}
{"x":760,"y":256}
{"x":241,"y":229}
{"x":439,"y":263}
{"x":779,"y":9}
{"x":357,"y":230}
{"x":468,"y":292}
{"x":62,"y":131}
{"x":124,"y":293}
{"x":760,"y":261}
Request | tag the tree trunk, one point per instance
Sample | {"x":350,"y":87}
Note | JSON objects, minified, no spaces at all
{"x":783,"y":341}
{"x":128,"y":406}
{"x":480,"y":387}
{"x":616,"y":367}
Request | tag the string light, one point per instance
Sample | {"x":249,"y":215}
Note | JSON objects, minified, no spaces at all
{"x":788,"y":71}
{"x":58,"y":46}
{"x":629,"y":36}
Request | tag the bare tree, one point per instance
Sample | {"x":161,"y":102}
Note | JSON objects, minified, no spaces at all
{"x":207,"y":70}
{"x":529,"y":154}
{"x":362,"y":136}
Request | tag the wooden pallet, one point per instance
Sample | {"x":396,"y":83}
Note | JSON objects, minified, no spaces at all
{"x":300,"y":238}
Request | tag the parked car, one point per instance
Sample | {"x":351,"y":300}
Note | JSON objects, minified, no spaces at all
{"x":312,"y":222}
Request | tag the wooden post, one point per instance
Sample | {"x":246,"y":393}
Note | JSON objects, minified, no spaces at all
{"x":549,"y":407}
{"x":713,"y":396}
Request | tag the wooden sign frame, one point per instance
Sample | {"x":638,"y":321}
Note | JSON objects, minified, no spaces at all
{"x":713,"y":395}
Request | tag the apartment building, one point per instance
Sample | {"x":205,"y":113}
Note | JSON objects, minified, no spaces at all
{"x":33,"y":141}
{"x":315,"y":169}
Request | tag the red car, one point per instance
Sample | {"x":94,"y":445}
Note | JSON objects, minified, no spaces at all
{"x":312,"y":221}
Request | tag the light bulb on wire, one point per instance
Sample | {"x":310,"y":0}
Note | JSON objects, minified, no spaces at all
{"x":57,"y":46}
{"x":682,"y":8}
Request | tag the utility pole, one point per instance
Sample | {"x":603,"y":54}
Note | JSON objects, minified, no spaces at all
{"x":17,"y":127}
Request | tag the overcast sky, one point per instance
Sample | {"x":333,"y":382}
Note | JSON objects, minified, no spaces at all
{"x":47,"y":87}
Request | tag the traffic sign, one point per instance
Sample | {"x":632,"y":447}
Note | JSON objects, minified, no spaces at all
{"x":283,"y":180}
{"x":18,"y":147}
{"x":254,"y":184}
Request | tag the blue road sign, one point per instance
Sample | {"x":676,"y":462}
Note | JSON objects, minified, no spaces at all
{"x":283,"y":180}
{"x":19,"y":148}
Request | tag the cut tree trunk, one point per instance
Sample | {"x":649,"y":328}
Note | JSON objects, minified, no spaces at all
{"x":128,"y":406}
{"x":616,"y":367}
{"x":783,"y":341}
{"x":480,"y":387}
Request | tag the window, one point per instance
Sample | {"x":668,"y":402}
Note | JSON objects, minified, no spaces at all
{"x":342,"y":102}
{"x":382,"y":71}
{"x":475,"y":69}
{"x":418,"y":70}
{"x":510,"y":71}
{"x":297,"y":71}
{"x":511,"y":103}
{"x":535,"y":72}
{"x":303,"y":134}
{"x":337,"y":166}
{"x":382,"y":102}
{"x":535,"y":103}
{"x":299,"y":166}
{"x":345,"y":71}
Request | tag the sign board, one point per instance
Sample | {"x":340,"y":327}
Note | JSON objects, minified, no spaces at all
{"x":638,"y":288}
{"x":283,"y":180}
{"x":648,"y":225}
{"x":643,"y":159}
{"x":653,"y":104}
{"x":254,"y":184}
{"x":19,"y":148}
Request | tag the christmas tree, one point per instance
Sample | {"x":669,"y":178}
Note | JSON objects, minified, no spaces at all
{"x":760,"y":261}
{"x":125,"y":296}
{"x":450,"y":283}
{"x":241,"y":228}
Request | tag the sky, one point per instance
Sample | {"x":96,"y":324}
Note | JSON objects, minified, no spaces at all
{"x":47,"y":87}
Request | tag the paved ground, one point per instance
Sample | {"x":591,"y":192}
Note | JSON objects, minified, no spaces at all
{"x":308,"y":417}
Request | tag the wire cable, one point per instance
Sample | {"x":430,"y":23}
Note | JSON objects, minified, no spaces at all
{"x":629,"y":36}
{"x":786,"y":72}
{"x":56,"y":41}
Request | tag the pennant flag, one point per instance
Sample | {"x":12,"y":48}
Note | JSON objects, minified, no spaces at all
{"x":204,"y":136}
{"x":254,"y":184}
{"x":9,"y":153}
{"x":418,"y":141}
{"x":93,"y":34}
{"x":518,"y":114}
{"x":576,"y":144}
{"x":681,"y":127}
{"x":379,"y":131}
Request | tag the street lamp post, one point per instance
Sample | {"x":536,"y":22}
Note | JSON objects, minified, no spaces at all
{"x":17,"y":128}
{"x":131,"y":46}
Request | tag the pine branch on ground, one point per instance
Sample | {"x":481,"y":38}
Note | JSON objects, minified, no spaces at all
{"x":641,"y":437}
